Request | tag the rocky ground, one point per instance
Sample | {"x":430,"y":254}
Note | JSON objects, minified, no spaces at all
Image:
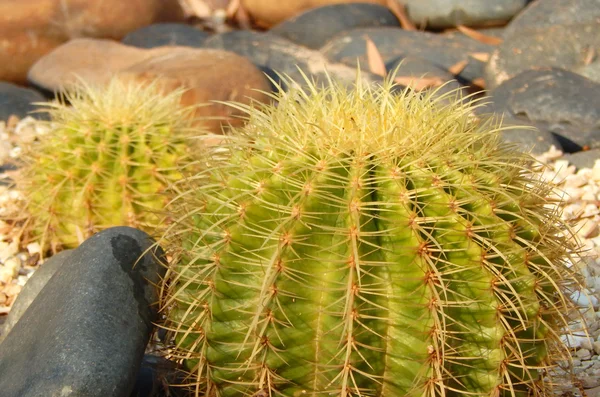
{"x":537,"y":62}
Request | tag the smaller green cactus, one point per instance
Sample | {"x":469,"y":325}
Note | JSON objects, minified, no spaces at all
{"x":111,"y":153}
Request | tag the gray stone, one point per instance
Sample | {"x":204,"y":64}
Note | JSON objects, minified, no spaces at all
{"x":591,"y":71}
{"x":448,"y":13}
{"x":596,"y":345}
{"x":275,"y":55}
{"x":31,"y":289}
{"x":593,"y":392}
{"x":590,"y":381}
{"x":561,"y":46}
{"x":587,"y":344}
{"x":564,"y":103}
{"x":583,"y":354}
{"x":19,"y":101}
{"x":583,"y":159}
{"x":547,"y":13}
{"x":85,"y":333}
{"x":166,"y":34}
{"x":443,"y":50}
{"x":527,"y":136}
{"x":549,"y":33}
{"x":315,"y":26}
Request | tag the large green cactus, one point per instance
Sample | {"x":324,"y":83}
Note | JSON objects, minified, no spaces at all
{"x":361,"y":242}
{"x":111,"y":152}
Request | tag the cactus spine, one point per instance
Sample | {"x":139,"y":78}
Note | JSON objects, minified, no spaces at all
{"x":111,"y":152}
{"x":357,"y":242}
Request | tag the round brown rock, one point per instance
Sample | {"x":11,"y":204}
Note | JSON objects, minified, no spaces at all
{"x":31,"y":29}
{"x":270,"y":12}
{"x":208,"y":74}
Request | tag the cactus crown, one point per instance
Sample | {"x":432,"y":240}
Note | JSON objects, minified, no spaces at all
{"x":362,"y":242}
{"x":111,"y":152}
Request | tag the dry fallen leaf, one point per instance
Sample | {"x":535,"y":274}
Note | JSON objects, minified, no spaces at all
{"x":480,"y":56}
{"x":399,"y":10}
{"x":479,"y":82}
{"x":419,"y":83}
{"x":232,"y":8}
{"x":458,"y":67}
{"x":475,"y":35}
{"x":197,"y":8}
{"x":376,"y":63}
{"x":590,"y":55}
{"x":237,"y":13}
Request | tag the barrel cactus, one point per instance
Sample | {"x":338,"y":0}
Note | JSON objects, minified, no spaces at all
{"x":111,"y":152}
{"x":366,"y":241}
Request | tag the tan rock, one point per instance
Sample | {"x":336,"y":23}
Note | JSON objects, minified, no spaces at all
{"x":18,"y":52}
{"x":270,"y":12}
{"x":93,"y":60}
{"x":30,"y":29}
{"x":209,"y":74}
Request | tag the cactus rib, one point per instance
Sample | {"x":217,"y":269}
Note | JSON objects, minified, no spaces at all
{"x":357,"y":242}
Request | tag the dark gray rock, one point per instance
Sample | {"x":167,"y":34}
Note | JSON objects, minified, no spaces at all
{"x":561,"y":46}
{"x":31,"y":289}
{"x":85,"y":333}
{"x":448,"y":13}
{"x":549,"y":33}
{"x":562,"y":102}
{"x":159,"y":377}
{"x":548,"y":13}
{"x":442,"y":50}
{"x":583,"y":159}
{"x":273,"y":54}
{"x":591,"y":71}
{"x":528,"y":137}
{"x":314,"y":27}
{"x":166,"y":34}
{"x":19,"y":101}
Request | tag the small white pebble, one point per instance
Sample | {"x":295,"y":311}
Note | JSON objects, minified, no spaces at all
{"x":573,"y":341}
{"x":572,"y":194}
{"x":596,"y":171}
{"x":584,"y":299}
{"x":562,"y":165}
{"x":586,"y":228}
{"x":34,"y":248}
{"x":588,"y":196}
{"x":576,"y":180}
{"x":15,"y":152}
{"x":8,"y":250}
{"x":572,"y":211}
{"x":6,"y":274}
{"x":13,"y":263}
{"x":590,"y":210}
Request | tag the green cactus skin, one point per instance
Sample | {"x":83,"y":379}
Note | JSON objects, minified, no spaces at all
{"x":111,"y":153}
{"x":356,"y":242}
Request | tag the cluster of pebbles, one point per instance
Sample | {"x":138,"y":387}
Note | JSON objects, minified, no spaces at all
{"x":579,"y":190}
{"x":17,"y":262}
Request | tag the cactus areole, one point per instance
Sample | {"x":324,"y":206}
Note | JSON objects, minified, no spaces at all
{"x":112,"y":151}
{"x":365,"y":242}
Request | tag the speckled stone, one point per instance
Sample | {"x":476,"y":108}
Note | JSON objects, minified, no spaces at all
{"x":448,"y":13}
{"x":314,"y":27}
